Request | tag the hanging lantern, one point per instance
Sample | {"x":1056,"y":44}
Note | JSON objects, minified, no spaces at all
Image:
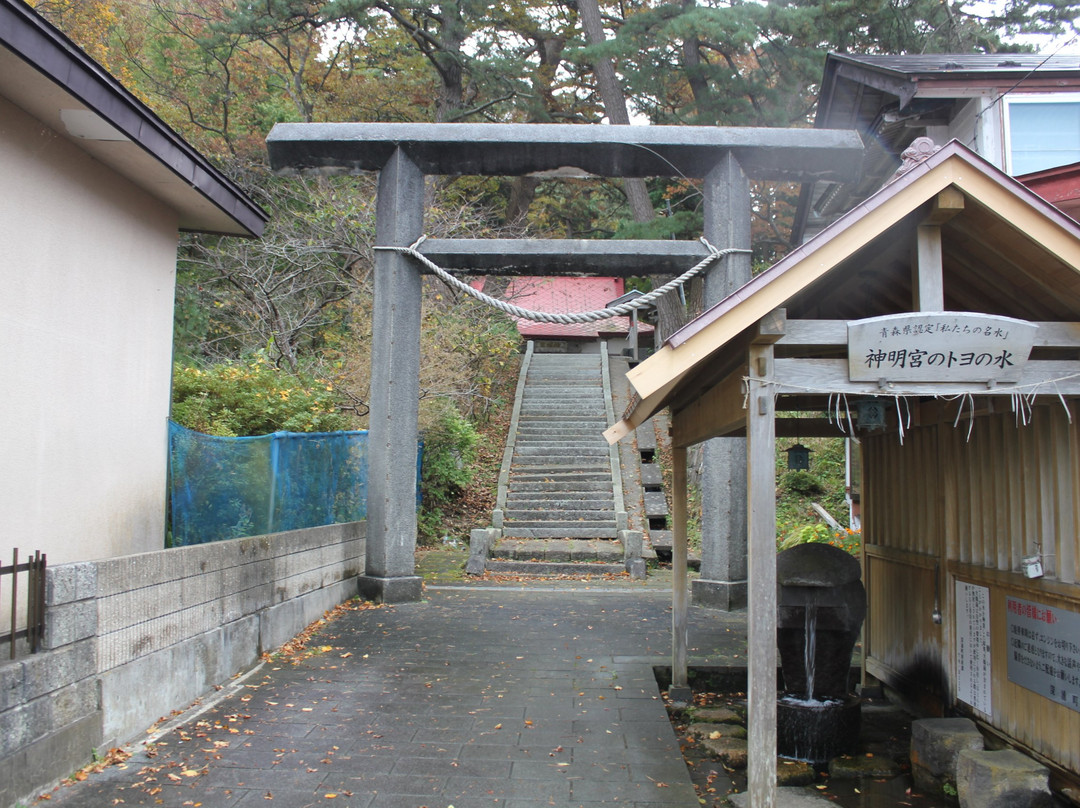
{"x":871,"y":413}
{"x":798,"y":457}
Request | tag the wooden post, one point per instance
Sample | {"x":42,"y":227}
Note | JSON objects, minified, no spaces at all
{"x":927,"y":283}
{"x":761,"y":635}
{"x":680,"y":689}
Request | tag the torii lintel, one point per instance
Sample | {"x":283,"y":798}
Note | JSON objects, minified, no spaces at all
{"x":567,"y":150}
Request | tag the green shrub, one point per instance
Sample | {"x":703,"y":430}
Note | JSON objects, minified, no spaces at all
{"x":847,"y":540}
{"x":253,"y":397}
{"x":806,"y":534}
{"x":802,"y":483}
{"x":449,"y":464}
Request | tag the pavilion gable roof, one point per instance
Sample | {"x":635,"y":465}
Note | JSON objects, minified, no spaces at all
{"x":818,"y":279}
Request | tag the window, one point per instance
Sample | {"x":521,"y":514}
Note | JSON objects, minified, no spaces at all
{"x":1042,"y":131}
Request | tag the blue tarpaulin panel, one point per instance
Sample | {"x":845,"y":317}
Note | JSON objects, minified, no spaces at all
{"x":226,"y":488}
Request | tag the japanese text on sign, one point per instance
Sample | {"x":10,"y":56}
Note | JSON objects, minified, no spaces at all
{"x":939,"y":346}
{"x":1044,"y":650}
{"x":973,"y":646}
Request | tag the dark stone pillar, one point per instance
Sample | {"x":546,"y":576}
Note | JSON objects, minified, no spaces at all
{"x":723,"y":583}
{"x":395,"y":366}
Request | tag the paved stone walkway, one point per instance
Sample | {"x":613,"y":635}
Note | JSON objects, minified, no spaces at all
{"x":475,"y":697}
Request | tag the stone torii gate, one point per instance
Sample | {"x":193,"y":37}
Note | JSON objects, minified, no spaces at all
{"x":725,"y":158}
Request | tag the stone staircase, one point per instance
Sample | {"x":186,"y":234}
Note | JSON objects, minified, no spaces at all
{"x":560,"y":501}
{"x":560,"y":484}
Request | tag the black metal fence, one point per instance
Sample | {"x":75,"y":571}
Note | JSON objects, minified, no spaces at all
{"x":33,"y":622}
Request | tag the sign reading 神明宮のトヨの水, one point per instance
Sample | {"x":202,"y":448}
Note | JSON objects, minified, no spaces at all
{"x":942,"y":346}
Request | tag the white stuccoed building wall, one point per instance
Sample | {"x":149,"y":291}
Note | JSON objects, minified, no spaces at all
{"x":87,"y":271}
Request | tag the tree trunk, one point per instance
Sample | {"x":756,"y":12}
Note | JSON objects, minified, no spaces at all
{"x":611,"y":94}
{"x":670,"y":309}
{"x":699,"y":87}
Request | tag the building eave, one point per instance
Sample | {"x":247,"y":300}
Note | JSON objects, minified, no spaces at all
{"x":47,"y":75}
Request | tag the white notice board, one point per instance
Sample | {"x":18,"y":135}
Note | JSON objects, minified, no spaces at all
{"x":973,"y":646}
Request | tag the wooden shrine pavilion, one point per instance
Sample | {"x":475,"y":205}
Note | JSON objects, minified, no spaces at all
{"x":949,"y":303}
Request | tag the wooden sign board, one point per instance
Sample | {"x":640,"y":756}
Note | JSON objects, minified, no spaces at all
{"x":941,"y":346}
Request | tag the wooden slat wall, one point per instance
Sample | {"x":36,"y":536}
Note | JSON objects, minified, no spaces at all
{"x":975,"y":506}
{"x":903,"y":644}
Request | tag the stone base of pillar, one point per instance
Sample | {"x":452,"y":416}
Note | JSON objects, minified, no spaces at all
{"x":680,"y":695}
{"x":403,"y":589}
{"x":726,"y":596}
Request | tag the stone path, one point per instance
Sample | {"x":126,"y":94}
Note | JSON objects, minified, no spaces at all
{"x":475,"y":697}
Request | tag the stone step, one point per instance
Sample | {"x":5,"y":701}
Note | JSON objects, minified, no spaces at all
{"x":594,"y":437}
{"x":560,"y":462}
{"x":562,"y":500}
{"x":564,"y":496}
{"x":651,"y":475}
{"x":567,"y":431}
{"x":589,"y":433}
{"x":537,"y":392}
{"x":530,"y":475}
{"x":550,"y":420}
{"x":569,"y":456}
{"x":646,"y":437}
{"x":558,"y":518}
{"x":662,"y":540}
{"x":511,"y":532}
{"x":544,"y":568}
{"x":655,"y":504}
{"x":588,"y":500}
{"x":545,"y":405}
{"x":557,"y":550}
{"x":540,"y":517}
{"x":546,"y":449}
{"x":584,"y":380}
{"x":544,"y":368}
{"x":584,"y":397}
{"x":518,"y":495}
{"x":567,"y":386}
{"x":533,"y":445}
{"x":598,"y":475}
{"x":553,"y":415}
{"x":542,"y":412}
{"x":518,"y":485}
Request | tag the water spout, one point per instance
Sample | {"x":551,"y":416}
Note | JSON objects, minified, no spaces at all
{"x":810,"y":645}
{"x":822,"y":604}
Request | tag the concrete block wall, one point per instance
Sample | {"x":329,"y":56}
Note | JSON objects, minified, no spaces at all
{"x":50,"y":706}
{"x":130,"y":639}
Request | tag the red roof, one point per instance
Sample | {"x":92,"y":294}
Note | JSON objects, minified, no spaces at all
{"x":1059,"y":186}
{"x":564,"y":296}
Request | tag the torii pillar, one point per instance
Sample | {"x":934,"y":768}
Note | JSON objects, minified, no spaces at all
{"x":723,"y":580}
{"x":404,"y":153}
{"x":395,"y":389}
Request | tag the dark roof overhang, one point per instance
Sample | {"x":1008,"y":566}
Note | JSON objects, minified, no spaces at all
{"x":46,"y":74}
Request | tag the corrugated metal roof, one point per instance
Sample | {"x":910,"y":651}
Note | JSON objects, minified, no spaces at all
{"x":566,"y":296}
{"x":960,"y":63}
